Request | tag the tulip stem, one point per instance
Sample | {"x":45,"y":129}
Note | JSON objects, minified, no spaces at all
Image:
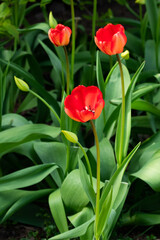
{"x":98,"y":178}
{"x":73,"y":41}
{"x":123,"y":112}
{"x":88,"y":163}
{"x":40,"y":98}
{"x":67,"y":70}
{"x":94,"y":17}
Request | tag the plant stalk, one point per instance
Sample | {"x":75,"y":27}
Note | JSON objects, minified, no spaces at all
{"x":123,"y":112}
{"x":94,"y":18}
{"x":73,"y":41}
{"x":67,"y":70}
{"x":98,"y":179}
{"x":52,"y":110}
{"x":88,"y":163}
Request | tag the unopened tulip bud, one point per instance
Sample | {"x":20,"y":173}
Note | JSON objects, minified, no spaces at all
{"x":125,"y":55}
{"x":72,"y":137}
{"x":140,"y":1}
{"x":52,"y":21}
{"x":23,"y":86}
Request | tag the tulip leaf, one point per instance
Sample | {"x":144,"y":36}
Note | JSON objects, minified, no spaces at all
{"x":32,"y":82}
{"x":100,"y":78}
{"x":73,"y":194}
{"x":86,"y":184}
{"x":152,"y":11}
{"x":81,"y":217}
{"x":116,"y":179}
{"x":15,"y":136}
{"x":23,"y":198}
{"x":145,"y":106}
{"x":38,"y":26}
{"x":76,"y":232}
{"x":57,"y":210}
{"x":26,"y":177}
{"x":150,"y":172}
{"x":127,"y":125}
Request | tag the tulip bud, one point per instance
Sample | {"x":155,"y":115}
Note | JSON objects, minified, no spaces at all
{"x":72,"y":137}
{"x":23,"y":86}
{"x":140,"y":1}
{"x":125,"y":55}
{"x":52,"y":21}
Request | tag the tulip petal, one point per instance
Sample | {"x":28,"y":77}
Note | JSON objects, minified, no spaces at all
{"x":86,"y":115}
{"x":98,"y":109}
{"x":118,"y":42}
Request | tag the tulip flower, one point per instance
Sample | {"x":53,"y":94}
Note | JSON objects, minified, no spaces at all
{"x":84,"y":103}
{"x":111,"y":39}
{"x":60,"y":35}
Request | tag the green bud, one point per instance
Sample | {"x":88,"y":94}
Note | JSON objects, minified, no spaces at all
{"x":125,"y":55}
{"x":23,"y":86}
{"x":52,"y":21}
{"x":140,"y":1}
{"x":72,"y":137}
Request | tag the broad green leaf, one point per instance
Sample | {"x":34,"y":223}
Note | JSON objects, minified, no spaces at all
{"x":38,"y":26}
{"x":24,"y":198}
{"x":53,"y":152}
{"x":86,"y":184}
{"x":58,"y":211}
{"x":152,"y":11}
{"x":26,"y":177}
{"x":150,"y":53}
{"x":143,"y":105}
{"x":76,"y":232}
{"x":107,"y":158}
{"x":134,"y":44}
{"x":113,"y":117}
{"x":127,"y":125}
{"x":81,"y":217}
{"x":72,"y":192}
{"x":13,"y":120}
{"x":141,"y":219}
{"x":150,"y":172}
{"x":13,"y":137}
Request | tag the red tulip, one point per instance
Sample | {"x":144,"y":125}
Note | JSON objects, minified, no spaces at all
{"x":60,"y":35}
{"x":84,"y":103}
{"x":111,"y":39}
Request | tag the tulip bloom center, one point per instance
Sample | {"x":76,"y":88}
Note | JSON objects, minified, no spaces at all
{"x":84,"y":103}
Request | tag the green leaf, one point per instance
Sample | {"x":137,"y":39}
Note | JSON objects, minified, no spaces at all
{"x":13,"y":137}
{"x":127,"y":126}
{"x":72,"y":192}
{"x":86,"y":184}
{"x":152,"y":11}
{"x":150,"y":172}
{"x":107,"y":158}
{"x":145,"y":106}
{"x":58,"y":211}
{"x":76,"y":232}
{"x":25,"y":197}
{"x":116,"y":179}
{"x":105,"y":213}
{"x":82,"y":217}
{"x":109,"y":126}
{"x":26,"y":177}
{"x":38,"y":26}
{"x":33,"y":83}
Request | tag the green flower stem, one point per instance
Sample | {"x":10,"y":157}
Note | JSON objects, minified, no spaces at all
{"x":98,"y":178}
{"x":40,"y":98}
{"x":73,"y":41}
{"x":123,"y":112}
{"x":88,"y":163}
{"x":67,"y":70}
{"x":68,"y":159}
{"x":94,"y":17}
